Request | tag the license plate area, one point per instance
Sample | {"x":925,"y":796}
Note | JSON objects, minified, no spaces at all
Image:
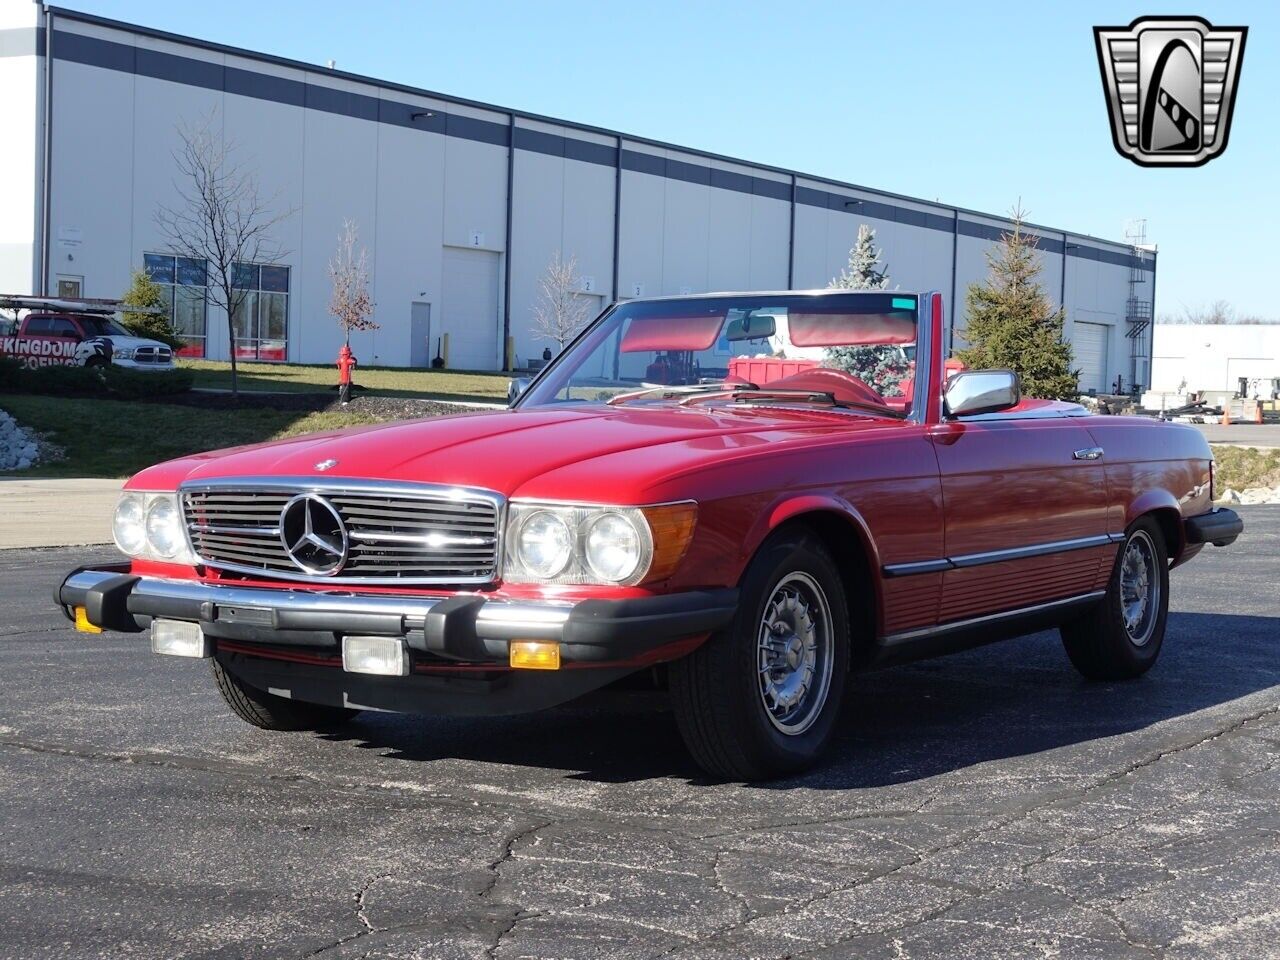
{"x":246,"y":616}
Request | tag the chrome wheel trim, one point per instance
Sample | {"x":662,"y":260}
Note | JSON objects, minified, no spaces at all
{"x":1139,"y":588}
{"x":795,"y":654}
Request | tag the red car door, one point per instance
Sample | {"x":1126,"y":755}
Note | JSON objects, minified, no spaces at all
{"x":1025,"y":513}
{"x":48,"y":340}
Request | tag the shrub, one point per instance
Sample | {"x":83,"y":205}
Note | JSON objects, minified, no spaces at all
{"x":109,"y":381}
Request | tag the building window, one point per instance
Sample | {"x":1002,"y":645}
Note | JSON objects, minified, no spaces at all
{"x":262,"y":318}
{"x":184,"y":282}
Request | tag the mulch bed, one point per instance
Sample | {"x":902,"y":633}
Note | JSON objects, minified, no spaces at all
{"x":383,"y":408}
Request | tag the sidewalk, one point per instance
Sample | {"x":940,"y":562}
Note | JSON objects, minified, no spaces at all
{"x":56,"y":513}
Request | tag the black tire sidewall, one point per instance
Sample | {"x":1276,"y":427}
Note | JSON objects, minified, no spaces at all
{"x":770,"y":747}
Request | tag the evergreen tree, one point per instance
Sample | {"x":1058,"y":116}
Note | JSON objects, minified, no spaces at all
{"x":864,"y":271}
{"x":881,"y":367}
{"x":1011,"y":323}
{"x":146,"y":295}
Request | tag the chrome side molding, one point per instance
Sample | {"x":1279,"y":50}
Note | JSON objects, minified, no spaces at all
{"x":999,"y":556}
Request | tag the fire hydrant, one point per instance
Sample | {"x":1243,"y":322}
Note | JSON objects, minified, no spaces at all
{"x":346,"y":363}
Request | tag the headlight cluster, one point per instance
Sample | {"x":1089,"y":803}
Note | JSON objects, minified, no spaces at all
{"x":571,"y":544}
{"x":149,"y":526}
{"x":124,"y":353}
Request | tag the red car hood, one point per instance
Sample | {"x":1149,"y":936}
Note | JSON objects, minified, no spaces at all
{"x":505,"y":451}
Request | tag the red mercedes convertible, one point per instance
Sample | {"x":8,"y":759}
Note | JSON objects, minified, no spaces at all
{"x":746,"y":496}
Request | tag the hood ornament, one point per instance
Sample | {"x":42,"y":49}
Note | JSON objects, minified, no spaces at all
{"x":326,"y":465}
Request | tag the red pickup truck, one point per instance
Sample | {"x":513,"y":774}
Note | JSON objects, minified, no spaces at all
{"x":42,"y":339}
{"x":748,"y":544}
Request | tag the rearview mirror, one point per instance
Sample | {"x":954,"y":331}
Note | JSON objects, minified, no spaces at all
{"x":515,"y":387}
{"x":982,"y":391}
{"x":751,"y":327}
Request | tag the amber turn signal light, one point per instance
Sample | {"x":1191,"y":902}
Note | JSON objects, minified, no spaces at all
{"x":83,"y":624}
{"x":672,"y":526}
{"x":534,"y":655}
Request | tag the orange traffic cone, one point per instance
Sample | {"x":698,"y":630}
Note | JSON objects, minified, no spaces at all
{"x":1257,"y":411}
{"x":1226,"y":414}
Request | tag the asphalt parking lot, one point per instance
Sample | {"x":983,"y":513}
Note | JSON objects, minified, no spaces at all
{"x":987,"y":805}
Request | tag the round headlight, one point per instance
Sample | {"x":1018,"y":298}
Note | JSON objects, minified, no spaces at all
{"x":127,"y":525}
{"x":613,"y":547}
{"x":164,"y":528}
{"x":546,"y":544}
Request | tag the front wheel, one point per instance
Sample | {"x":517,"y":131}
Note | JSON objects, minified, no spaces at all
{"x":760,"y":699}
{"x":270,"y":712}
{"x":1120,"y":638}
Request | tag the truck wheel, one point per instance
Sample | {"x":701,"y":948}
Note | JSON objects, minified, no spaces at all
{"x":270,"y":712}
{"x":760,"y":698}
{"x":1120,"y":638}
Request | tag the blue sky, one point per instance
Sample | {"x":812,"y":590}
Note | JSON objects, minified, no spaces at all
{"x":972,"y":104}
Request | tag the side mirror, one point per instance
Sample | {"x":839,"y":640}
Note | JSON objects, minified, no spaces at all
{"x":517,"y":386}
{"x":981,"y":391}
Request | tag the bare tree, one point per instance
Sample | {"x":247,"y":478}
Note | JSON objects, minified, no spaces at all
{"x":560,"y":313}
{"x":350,"y":301}
{"x":349,"y":271}
{"x":220,"y":218}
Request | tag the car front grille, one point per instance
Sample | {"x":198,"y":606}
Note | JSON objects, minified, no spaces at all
{"x":400,"y":535}
{"x":153,"y":355}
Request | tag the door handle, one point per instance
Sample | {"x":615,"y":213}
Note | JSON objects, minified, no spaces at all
{"x":1088,"y":453}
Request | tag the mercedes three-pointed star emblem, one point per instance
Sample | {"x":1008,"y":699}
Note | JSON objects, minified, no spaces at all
{"x":314,"y":535}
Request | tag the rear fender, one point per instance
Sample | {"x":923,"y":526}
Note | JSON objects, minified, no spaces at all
{"x":1169,"y":515}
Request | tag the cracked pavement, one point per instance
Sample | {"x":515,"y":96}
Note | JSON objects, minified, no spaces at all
{"x":989,"y":804}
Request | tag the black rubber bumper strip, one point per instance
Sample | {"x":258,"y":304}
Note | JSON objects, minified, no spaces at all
{"x":106,"y":604}
{"x":1219,"y":527}
{"x":609,"y":629}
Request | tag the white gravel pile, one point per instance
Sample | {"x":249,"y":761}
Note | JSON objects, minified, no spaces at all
{"x":18,"y":449}
{"x":1251,"y":495}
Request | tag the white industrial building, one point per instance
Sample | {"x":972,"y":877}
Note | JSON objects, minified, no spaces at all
{"x":1215,"y":356}
{"x":460,"y":204}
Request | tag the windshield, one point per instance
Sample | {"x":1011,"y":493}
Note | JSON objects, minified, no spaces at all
{"x":102,"y":327}
{"x":841,"y":349}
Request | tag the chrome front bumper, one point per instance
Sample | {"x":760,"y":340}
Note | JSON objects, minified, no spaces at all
{"x":463,"y":627}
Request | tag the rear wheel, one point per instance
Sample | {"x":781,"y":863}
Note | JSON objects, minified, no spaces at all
{"x":1121,"y":637}
{"x":270,"y":712}
{"x":760,"y":699}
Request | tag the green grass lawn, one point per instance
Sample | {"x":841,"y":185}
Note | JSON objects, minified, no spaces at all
{"x":116,"y":438}
{"x":383,"y":381}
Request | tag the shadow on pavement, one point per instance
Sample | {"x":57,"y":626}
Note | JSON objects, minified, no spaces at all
{"x":904,"y":724}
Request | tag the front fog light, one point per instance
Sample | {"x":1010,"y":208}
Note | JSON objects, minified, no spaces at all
{"x":381,"y":656}
{"x":613,"y":547}
{"x":164,"y":527}
{"x":546,"y":544}
{"x":128,"y":525}
{"x":176,"y":638}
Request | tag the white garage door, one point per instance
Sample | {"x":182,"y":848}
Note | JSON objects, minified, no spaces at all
{"x":1090,"y":341}
{"x":469,"y":309}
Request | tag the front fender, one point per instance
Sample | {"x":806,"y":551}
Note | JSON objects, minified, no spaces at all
{"x":786,"y":508}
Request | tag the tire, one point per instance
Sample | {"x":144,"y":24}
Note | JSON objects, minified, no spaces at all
{"x":719,"y":692}
{"x":1104,"y":644}
{"x":269,"y":712}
